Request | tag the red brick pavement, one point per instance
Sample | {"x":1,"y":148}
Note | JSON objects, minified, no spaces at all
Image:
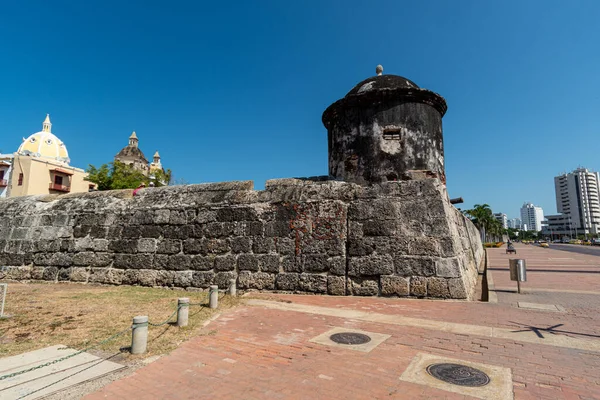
{"x":260,"y":353}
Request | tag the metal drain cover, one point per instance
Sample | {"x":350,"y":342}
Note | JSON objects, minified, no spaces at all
{"x":458,"y":374}
{"x":350,"y":338}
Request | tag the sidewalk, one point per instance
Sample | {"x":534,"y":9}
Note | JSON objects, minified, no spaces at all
{"x":274,"y":348}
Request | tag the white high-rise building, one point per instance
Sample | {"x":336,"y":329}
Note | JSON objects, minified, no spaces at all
{"x":501,"y":217}
{"x":514,"y":223}
{"x":532,"y":217}
{"x":578,"y":202}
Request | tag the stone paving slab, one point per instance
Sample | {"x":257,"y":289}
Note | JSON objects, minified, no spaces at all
{"x":44,"y":381}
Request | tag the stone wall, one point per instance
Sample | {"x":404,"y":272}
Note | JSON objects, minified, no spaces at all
{"x":329,"y":237}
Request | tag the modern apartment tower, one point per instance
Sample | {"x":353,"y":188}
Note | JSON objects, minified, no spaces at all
{"x":532,"y":217}
{"x":502,"y":218}
{"x":577,"y":201}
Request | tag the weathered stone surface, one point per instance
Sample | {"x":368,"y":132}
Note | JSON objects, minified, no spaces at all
{"x":438,"y":287}
{"x":313,"y":283}
{"x":418,"y":286}
{"x":394,"y":286}
{"x":256,"y":280}
{"x":336,"y":285}
{"x":225,"y":263}
{"x":364,"y":287}
{"x":371,"y":265}
{"x":287,"y":282}
{"x":297,"y":235}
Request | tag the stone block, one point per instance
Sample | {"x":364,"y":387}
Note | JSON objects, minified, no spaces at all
{"x":178,"y":217}
{"x":315,"y":263}
{"x":363,"y":287}
{"x":247,"y":262}
{"x":147,"y":277}
{"x":169,"y":246}
{"x":285,"y":246}
{"x":394,"y":286}
{"x":268,"y":262}
{"x":277,"y":229}
{"x":414,"y":266}
{"x":125,"y":246}
{"x":418,"y":286}
{"x":225,"y":263}
{"x":256,"y":280}
{"x":79,"y":274}
{"x":216,"y":246}
{"x":457,"y":289}
{"x":146,"y":245}
{"x":447,"y":268}
{"x":202,"y":263}
{"x":336,"y":285}
{"x":359,"y":247}
{"x":150,"y":231}
{"x":194,"y":246}
{"x":287,"y":282}
{"x":337,"y":266}
{"x":166,"y":278}
{"x":61,"y":260}
{"x":262,"y":245}
{"x":50,"y":274}
{"x":313,"y":283}
{"x":133,"y":261}
{"x":438,"y":287}
{"x":222,"y":279}
{"x":254,"y":228}
{"x":179,"y":262}
{"x":202,"y":279}
{"x":183,"y":279}
{"x":84,"y":258}
{"x":291,"y":264}
{"x":241,"y":244}
{"x":100,"y":244}
{"x":37,"y":273}
{"x":370,"y":265}
{"x":64,"y":274}
{"x":236,"y":214}
{"x":424,"y":246}
{"x":379,"y":228}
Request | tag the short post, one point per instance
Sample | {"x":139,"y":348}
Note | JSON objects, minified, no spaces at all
{"x":139,"y":334}
{"x":183,"y":309}
{"x":213,"y":301}
{"x":232,"y":288}
{"x":518,"y":272}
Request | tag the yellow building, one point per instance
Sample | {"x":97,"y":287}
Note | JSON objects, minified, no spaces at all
{"x":41,"y":166}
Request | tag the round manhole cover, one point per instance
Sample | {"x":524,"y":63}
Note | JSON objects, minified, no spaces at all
{"x":458,"y":374}
{"x":350,"y":338}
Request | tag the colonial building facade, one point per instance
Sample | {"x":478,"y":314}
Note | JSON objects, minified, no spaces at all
{"x":40,"y":166}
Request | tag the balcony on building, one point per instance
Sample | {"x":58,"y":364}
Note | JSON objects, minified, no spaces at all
{"x":61,"y":180}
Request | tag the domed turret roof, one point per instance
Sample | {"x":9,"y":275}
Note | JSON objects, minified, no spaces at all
{"x":45,"y":144}
{"x":383,"y":82}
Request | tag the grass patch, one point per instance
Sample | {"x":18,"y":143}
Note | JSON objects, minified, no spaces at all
{"x":78,"y":316}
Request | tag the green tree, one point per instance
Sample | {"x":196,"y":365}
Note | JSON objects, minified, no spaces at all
{"x":162,"y":178}
{"x":115,"y":175}
{"x":482,"y":217}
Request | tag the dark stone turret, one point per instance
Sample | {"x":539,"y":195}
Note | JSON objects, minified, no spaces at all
{"x":385,"y":129}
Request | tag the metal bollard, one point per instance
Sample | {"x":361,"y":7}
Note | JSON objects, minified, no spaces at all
{"x":183,"y":310}
{"x":213,"y":301}
{"x":518,"y":271}
{"x":139,"y":334}
{"x":232,"y":288}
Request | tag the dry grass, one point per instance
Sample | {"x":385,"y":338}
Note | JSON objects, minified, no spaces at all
{"x":78,"y":316}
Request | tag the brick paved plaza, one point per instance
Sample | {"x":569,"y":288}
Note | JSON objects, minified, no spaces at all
{"x":541,"y":344}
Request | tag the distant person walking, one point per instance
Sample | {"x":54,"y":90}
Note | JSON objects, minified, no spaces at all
{"x":135,"y":191}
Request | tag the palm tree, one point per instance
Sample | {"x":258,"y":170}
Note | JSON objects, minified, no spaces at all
{"x":483,"y":218}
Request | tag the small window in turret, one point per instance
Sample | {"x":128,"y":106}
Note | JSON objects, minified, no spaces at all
{"x":391,"y":134}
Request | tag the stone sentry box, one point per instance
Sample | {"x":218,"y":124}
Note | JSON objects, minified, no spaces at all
{"x":381,"y":224}
{"x":386,"y":129}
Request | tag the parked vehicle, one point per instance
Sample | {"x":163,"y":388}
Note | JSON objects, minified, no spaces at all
{"x":596,"y":242}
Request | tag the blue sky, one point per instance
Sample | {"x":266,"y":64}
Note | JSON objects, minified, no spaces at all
{"x":235,"y":90}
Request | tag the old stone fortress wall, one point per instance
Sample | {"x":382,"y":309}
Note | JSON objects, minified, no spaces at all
{"x":373,"y":227}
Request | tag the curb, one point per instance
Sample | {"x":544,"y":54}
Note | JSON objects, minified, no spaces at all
{"x":492,"y":296}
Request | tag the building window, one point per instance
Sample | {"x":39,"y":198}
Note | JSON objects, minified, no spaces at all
{"x":391,"y":134}
{"x":58,"y":180}
{"x":20,"y":182}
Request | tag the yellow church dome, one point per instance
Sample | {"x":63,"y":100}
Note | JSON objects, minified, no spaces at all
{"x":45,"y":144}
